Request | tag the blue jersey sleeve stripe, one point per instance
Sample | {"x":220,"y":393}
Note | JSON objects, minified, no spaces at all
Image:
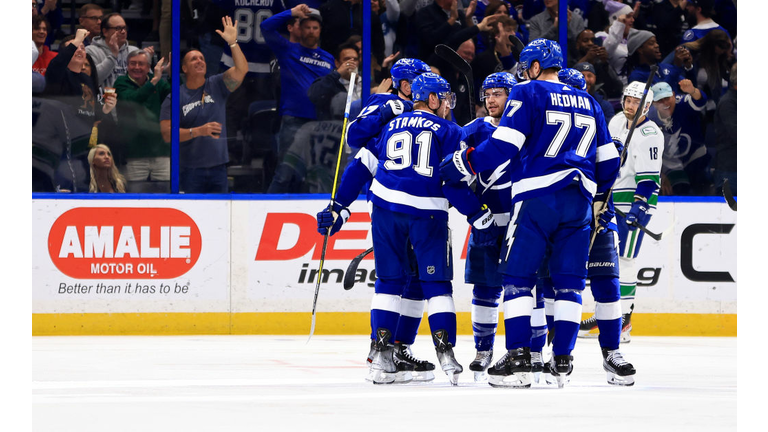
{"x":509,"y":135}
{"x":607,"y":152}
{"x":368,"y":159}
{"x":403,"y":198}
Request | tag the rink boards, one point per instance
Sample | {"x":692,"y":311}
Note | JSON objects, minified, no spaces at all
{"x":248,"y":265}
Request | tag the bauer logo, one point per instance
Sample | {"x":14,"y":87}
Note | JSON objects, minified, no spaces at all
{"x":124,"y":243}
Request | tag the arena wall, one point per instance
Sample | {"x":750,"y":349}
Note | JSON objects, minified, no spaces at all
{"x":245,"y":265}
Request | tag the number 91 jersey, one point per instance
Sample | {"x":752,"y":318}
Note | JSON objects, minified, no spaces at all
{"x":410,"y":149}
{"x":249,"y":15}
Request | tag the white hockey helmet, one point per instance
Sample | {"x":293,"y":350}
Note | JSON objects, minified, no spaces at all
{"x":635,"y":90}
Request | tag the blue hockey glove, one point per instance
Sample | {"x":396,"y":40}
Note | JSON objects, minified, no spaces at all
{"x":485,"y":232}
{"x":619,"y":145}
{"x":333,"y":217}
{"x":455,"y":168}
{"x":394,"y":108}
{"x":638,"y":215}
{"x":603,"y":219}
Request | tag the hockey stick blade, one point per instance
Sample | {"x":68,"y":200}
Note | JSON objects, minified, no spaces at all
{"x":728,"y":195}
{"x":454,"y":59}
{"x":650,"y":233}
{"x":517,"y":47}
{"x":349,"y":276}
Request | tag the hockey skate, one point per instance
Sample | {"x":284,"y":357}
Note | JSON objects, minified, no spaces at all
{"x":588,"y":328}
{"x":512,"y":370}
{"x":383,"y":368}
{"x":445,"y":356}
{"x":421,"y":369}
{"x":619,"y":371}
{"x":626,"y":325}
{"x":537,"y":365}
{"x":560,"y":368}
{"x":480,"y":365}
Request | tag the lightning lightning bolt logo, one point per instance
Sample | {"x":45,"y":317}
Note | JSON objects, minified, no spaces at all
{"x":495,"y":176}
{"x":510,"y":236}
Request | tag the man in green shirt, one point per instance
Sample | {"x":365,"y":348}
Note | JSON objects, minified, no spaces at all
{"x":141,"y":94}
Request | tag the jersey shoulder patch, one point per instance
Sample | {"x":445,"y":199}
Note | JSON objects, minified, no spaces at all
{"x":649,"y":130}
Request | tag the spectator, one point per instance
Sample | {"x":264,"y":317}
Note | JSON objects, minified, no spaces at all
{"x":141,"y":96}
{"x":685,"y":156}
{"x":105,"y":178}
{"x":586,"y":51}
{"x":499,"y":57}
{"x":52,"y":13}
{"x":711,"y":62}
{"x":725,"y":130}
{"x":300,"y":64}
{"x":700,"y":11}
{"x":328,"y":93}
{"x":389,"y":15}
{"x":482,"y":10}
{"x":644,"y":52}
{"x":595,"y":89}
{"x":89,"y":17}
{"x":347,"y":17}
{"x":622,"y":18}
{"x":38,"y":80}
{"x":545,"y":24}
{"x":203,"y":152}
{"x":110,"y":50}
{"x":39,"y":34}
{"x":441,"y":23}
{"x":665,"y":18}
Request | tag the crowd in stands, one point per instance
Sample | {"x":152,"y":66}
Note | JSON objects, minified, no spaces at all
{"x":264,"y":83}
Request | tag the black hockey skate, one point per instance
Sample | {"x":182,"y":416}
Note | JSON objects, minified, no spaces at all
{"x":588,"y":328}
{"x":422,"y":370}
{"x":560,"y":368}
{"x":480,"y":364}
{"x":626,"y":325}
{"x":512,"y":370}
{"x":619,"y":371}
{"x":383,"y":368}
{"x":445,"y":356}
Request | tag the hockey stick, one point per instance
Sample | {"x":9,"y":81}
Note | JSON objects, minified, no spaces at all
{"x":349,"y":276}
{"x":454,"y":59}
{"x":333,"y":196}
{"x":632,"y":127}
{"x":728,"y":195}
{"x":517,"y":47}
{"x":642,"y":228}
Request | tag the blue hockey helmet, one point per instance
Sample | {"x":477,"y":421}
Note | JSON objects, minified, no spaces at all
{"x":545,"y":51}
{"x":429,"y":82}
{"x":573,"y":78}
{"x":498,"y":80}
{"x":407,"y":69}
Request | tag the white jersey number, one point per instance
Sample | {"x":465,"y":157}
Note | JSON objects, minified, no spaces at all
{"x":249,"y":24}
{"x":399,"y":150}
{"x":563,"y":120}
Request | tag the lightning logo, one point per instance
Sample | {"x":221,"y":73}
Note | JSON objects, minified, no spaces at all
{"x":510,"y":236}
{"x":494,"y":177}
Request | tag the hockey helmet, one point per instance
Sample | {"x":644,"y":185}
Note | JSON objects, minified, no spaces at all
{"x":498,"y":80}
{"x":407,"y":69}
{"x":545,"y":51}
{"x":428,"y":83}
{"x":573,"y":78}
{"x":635,"y":89}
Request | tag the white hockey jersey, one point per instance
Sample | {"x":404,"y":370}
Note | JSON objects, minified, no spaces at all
{"x":643,"y":163}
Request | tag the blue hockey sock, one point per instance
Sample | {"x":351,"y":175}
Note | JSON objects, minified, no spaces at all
{"x":411,"y":312}
{"x":442,"y":316}
{"x":385,"y":312}
{"x":567,"y":320}
{"x":518,"y":307}
{"x":485,"y":315}
{"x":538,"y":324}
{"x":607,"y":310}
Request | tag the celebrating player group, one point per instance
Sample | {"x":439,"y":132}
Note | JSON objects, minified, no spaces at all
{"x":536,"y":179}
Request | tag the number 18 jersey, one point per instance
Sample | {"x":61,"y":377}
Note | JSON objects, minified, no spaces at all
{"x":410,"y":149}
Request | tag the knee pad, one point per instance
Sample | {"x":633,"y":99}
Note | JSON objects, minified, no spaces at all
{"x":561,"y":282}
{"x":413,"y":289}
{"x":605,"y":289}
{"x":389,"y":286}
{"x":485,"y":292}
{"x":436,"y":288}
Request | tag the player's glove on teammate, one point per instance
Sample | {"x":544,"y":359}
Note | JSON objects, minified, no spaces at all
{"x":394,"y":108}
{"x":456,"y":168}
{"x":638,"y":215}
{"x":485,"y":232}
{"x":332,"y":217}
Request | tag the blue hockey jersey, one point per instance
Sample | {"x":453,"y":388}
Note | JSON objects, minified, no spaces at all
{"x":493,"y":186}
{"x":409,"y":152}
{"x":558,"y":134}
{"x":371,"y":119}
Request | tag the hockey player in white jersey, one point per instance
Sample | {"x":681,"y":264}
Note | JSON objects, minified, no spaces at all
{"x":635,"y":194}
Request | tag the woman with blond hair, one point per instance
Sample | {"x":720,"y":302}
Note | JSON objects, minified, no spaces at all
{"x":104,"y":174}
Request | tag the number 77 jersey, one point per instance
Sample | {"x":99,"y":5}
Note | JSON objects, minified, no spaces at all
{"x":409,"y":151}
{"x":560,"y":136}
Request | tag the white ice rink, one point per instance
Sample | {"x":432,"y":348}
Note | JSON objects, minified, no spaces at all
{"x":264,"y":383}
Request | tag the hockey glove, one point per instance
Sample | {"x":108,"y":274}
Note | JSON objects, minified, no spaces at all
{"x":619,"y":145}
{"x":333,"y":217}
{"x":603,"y":218}
{"x":394,"y":108}
{"x":455,"y":167}
{"x":638,"y":215}
{"x":485,"y":232}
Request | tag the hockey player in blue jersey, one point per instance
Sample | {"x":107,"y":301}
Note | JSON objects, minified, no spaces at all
{"x":493,"y":189}
{"x":559,"y":137}
{"x":410,"y":207}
